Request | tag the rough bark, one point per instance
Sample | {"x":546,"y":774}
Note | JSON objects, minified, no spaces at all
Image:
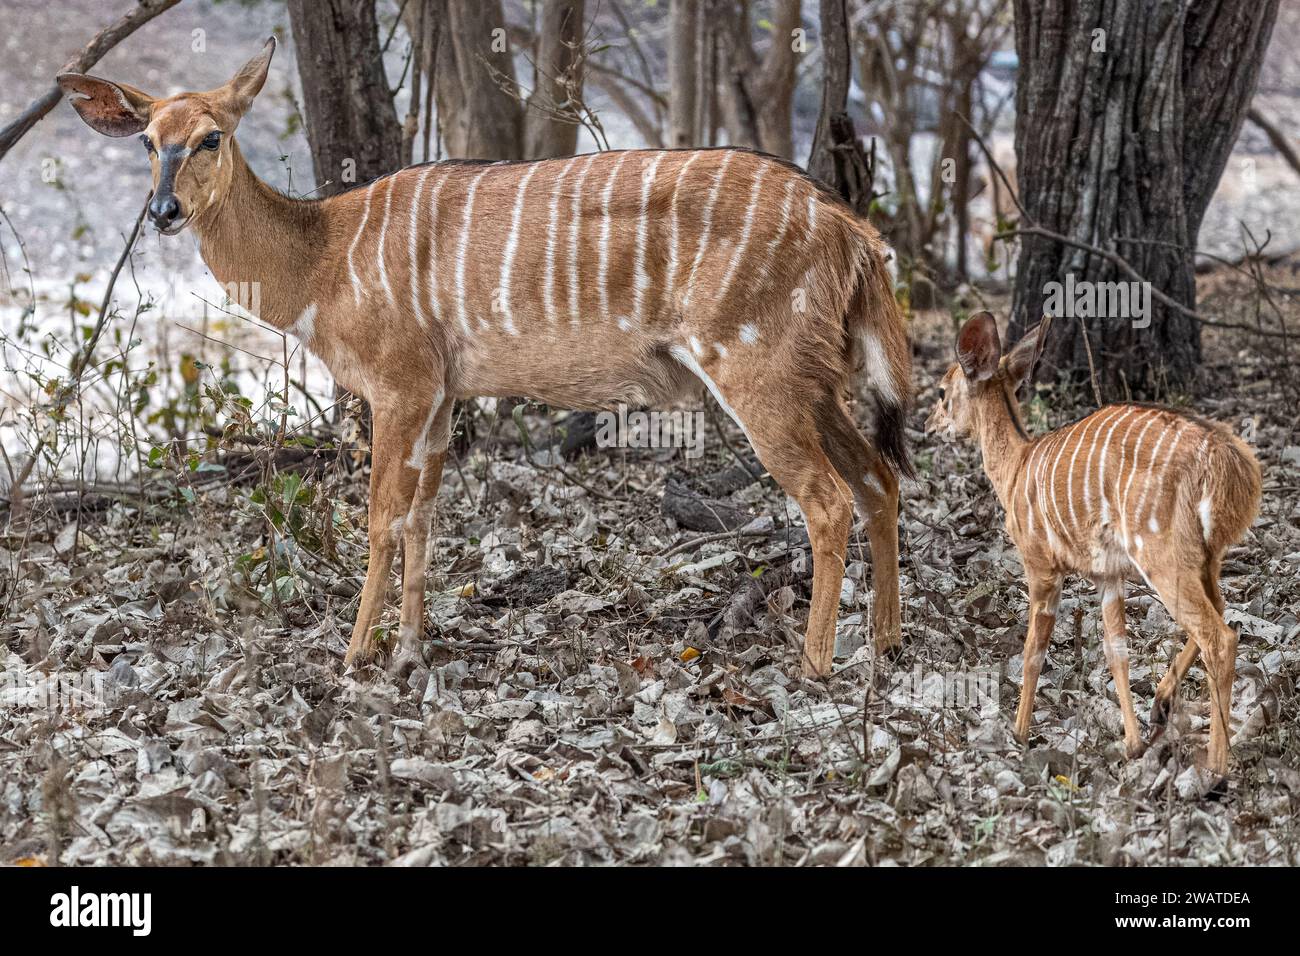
{"x":478,"y":100}
{"x":837,"y":157}
{"x":758,"y":94}
{"x":836,"y":64}
{"x":352,"y":125}
{"x":1223,"y":49}
{"x":682,"y":15}
{"x":1121,"y":149}
{"x":705,"y":124}
{"x":550,"y":125}
{"x":419,"y":27}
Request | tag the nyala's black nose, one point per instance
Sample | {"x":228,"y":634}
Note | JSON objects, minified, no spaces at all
{"x":163,"y":210}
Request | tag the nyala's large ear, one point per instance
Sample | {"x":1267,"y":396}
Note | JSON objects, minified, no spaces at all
{"x":113,"y":109}
{"x":1023,"y":358}
{"x":978,"y":347}
{"x":248,"y":81}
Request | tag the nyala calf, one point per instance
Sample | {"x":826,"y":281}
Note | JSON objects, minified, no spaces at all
{"x":1131,"y":491}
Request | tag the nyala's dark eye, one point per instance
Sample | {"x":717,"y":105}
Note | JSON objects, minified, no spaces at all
{"x":942,"y":393}
{"x":148,"y":143}
{"x":212,"y":140}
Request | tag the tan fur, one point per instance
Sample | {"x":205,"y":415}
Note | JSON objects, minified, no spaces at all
{"x":630,"y":276}
{"x":1129,"y":490}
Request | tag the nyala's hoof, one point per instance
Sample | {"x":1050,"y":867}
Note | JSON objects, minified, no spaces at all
{"x":812,"y":672}
{"x":1218,"y":790}
{"x":405,"y":660}
{"x":889,"y":652}
{"x":1160,"y":710}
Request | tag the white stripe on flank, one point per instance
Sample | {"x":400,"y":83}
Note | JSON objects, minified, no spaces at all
{"x":352,"y":269}
{"x":1046,"y":491}
{"x":463,"y":248}
{"x":1029,"y":484}
{"x":383,"y":231}
{"x":812,"y":214}
{"x":1103,"y":416}
{"x":670,"y":277}
{"x":640,"y":279}
{"x":508,"y":255}
{"x":1067,"y":434}
{"x":1132,"y":473}
{"x":748,"y":333}
{"x":1034,"y":479}
{"x":1069,"y":478}
{"x":434,"y":308}
{"x":706,"y":228}
{"x":687,"y":359}
{"x":1146,"y":480}
{"x":1204,"y":510}
{"x":603,"y":250}
{"x":575,"y":227}
{"x":1183,"y":428}
{"x":548,"y":283}
{"x":745,"y":232}
{"x":415,"y":270}
{"x":784,"y":226}
{"x":1101,"y":468}
{"x":1118,"y":503}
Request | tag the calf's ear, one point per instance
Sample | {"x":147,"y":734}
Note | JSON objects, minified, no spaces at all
{"x":978,"y":348}
{"x":1023,"y":358}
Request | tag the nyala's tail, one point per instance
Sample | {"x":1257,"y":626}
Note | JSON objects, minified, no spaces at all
{"x":877,"y":337}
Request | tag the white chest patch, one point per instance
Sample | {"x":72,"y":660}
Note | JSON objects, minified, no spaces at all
{"x":304,"y":327}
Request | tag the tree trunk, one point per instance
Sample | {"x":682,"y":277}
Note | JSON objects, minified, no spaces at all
{"x":705,"y":126}
{"x":1121,"y":137}
{"x":681,"y":73}
{"x":550,"y":124}
{"x":836,"y":63}
{"x":352,"y":125}
{"x":757,"y":96}
{"x":837,"y":157}
{"x":775,"y":90}
{"x":1223,"y":49}
{"x":478,"y":100}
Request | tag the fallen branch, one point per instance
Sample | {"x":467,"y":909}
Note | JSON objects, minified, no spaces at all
{"x":104,"y":41}
{"x":699,"y":512}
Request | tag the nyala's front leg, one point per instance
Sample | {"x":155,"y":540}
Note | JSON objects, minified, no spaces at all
{"x":1044,"y":596}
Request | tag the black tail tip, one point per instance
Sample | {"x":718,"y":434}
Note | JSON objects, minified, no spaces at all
{"x":891,"y":441}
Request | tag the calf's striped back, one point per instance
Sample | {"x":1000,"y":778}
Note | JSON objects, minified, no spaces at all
{"x":1138,"y":477}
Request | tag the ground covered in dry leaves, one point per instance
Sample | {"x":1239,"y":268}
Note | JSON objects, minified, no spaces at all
{"x":598,"y":693}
